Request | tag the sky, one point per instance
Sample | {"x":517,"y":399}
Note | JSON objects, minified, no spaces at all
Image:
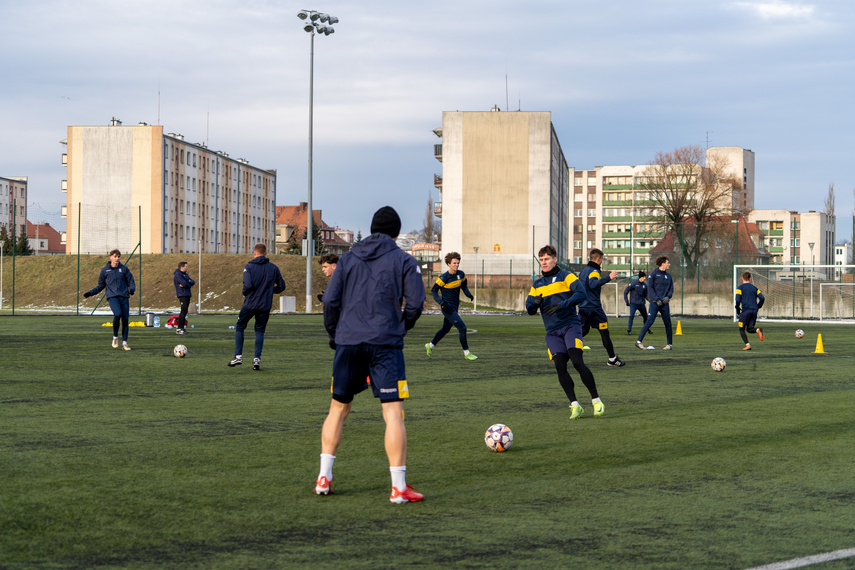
{"x":623,"y":80}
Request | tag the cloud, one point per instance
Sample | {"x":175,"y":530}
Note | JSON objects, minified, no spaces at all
{"x":778,"y":10}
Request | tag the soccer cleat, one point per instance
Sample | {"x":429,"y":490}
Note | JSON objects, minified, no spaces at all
{"x":639,"y":345}
{"x":628,"y":332}
{"x":470,"y":356}
{"x":237,"y":361}
{"x":322,"y":487}
{"x":429,"y":350}
{"x":125,"y":347}
{"x":256,"y":364}
{"x":747,"y":346}
{"x":576,"y":411}
{"x":599,"y":409}
{"x":408,"y":495}
{"x":616,"y":362}
{"x":115,"y":343}
{"x":180,"y":331}
{"x":761,"y":335}
{"x":666,"y":347}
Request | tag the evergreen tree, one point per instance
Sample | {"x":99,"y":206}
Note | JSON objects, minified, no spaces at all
{"x":294,"y":245}
{"x":23,"y":245}
{"x":6,"y":241}
{"x":320,"y":246}
{"x":358,"y":236}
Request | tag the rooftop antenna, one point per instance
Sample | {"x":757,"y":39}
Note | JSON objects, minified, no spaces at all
{"x":208,"y":127}
{"x":158,"y":104}
{"x":708,"y":139}
{"x":507,"y":105}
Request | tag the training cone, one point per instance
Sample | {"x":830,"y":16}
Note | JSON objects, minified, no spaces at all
{"x":679,"y":329}
{"x":818,"y":349}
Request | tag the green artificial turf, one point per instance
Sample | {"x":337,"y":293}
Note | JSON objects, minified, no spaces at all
{"x":139,"y":459}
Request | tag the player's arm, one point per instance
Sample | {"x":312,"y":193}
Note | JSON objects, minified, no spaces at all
{"x":102,"y":282}
{"x":332,"y":299}
{"x":533,"y":302}
{"x":737,"y":300}
{"x":414,"y":292}
{"x":595,"y":280}
{"x":190,"y":281}
{"x":278,"y":282}
{"x":626,"y":294}
{"x":247,"y":282}
{"x":760,"y":299}
{"x":465,"y":289}
{"x":132,"y":286}
{"x":434,"y":292}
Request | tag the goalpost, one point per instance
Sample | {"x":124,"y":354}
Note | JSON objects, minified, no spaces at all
{"x":802,"y":292}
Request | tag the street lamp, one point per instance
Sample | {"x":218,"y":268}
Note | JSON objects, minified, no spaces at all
{"x":315,"y":22}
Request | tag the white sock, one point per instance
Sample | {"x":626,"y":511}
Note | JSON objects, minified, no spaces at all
{"x":115,"y":338}
{"x":399,"y":477}
{"x":613,"y":358}
{"x":574,"y":403}
{"x":125,"y":342}
{"x":595,"y":401}
{"x":326,"y":466}
{"x":466,"y":352}
{"x":432,"y":345}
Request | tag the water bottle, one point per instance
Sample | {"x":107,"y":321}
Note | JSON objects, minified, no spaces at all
{"x":157,"y":321}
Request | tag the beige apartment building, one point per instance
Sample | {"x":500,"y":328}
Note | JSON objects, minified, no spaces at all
{"x":127,"y":184}
{"x":504,"y":187}
{"x":13,"y":204}
{"x":805,"y":238}
{"x":611,"y":210}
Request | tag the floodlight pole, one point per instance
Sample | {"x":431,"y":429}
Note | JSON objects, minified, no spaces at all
{"x":476,"y":279}
{"x":1,"y":275}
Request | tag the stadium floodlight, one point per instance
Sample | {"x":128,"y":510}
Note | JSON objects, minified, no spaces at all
{"x":311,"y":27}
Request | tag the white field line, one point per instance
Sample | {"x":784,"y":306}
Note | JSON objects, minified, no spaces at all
{"x":809,"y":560}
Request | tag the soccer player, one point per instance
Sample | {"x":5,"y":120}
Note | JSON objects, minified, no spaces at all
{"x":749,"y":300}
{"x":449,"y":285}
{"x":119,"y":282}
{"x":660,"y":288}
{"x":634,"y":296}
{"x":261,"y":280}
{"x":327,"y":263}
{"x":556,"y":294}
{"x":183,"y":283}
{"x":591,"y":311}
{"x":364,"y":317}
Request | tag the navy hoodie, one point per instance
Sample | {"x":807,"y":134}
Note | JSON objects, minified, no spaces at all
{"x":117,"y":280}
{"x":363,"y":301}
{"x":261,"y":280}
{"x":181,"y":278}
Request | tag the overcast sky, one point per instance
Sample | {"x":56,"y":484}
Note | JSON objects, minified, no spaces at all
{"x":623,"y":79}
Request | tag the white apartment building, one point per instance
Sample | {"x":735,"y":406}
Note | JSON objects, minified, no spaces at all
{"x":132,"y":184}
{"x":795,"y":238}
{"x":13,"y":204}
{"x":842,"y":256}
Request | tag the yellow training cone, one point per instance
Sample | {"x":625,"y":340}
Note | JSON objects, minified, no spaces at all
{"x":818,"y":349}
{"x":679,"y":329}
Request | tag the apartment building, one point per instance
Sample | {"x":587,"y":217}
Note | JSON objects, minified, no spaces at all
{"x":13,"y":204}
{"x":132,"y":184}
{"x":805,"y":238}
{"x":504,"y":189}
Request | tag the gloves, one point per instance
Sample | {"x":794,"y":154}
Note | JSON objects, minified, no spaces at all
{"x":445,"y":308}
{"x":627,"y":304}
{"x":660,"y":303}
{"x":471,"y":298}
{"x":332,"y":344}
{"x":738,"y":312}
{"x":133,"y":291}
{"x":538,"y":299}
{"x":321,"y":297}
{"x":550,"y":309}
{"x":666,"y":300}
{"x":87,"y":294}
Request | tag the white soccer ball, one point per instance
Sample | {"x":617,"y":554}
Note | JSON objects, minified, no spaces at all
{"x":718,"y":364}
{"x":499,"y":437}
{"x":180,"y":351}
{"x":800,"y":333}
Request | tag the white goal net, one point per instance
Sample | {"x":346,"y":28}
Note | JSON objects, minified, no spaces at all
{"x":802,"y":292}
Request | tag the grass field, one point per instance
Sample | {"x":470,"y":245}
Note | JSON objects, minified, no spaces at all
{"x":138,"y":459}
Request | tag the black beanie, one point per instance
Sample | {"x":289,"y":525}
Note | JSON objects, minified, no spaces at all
{"x":386,"y":221}
{"x":641,"y":274}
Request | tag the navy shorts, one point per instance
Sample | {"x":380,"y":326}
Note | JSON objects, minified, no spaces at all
{"x":594,"y":318}
{"x":384,"y":365}
{"x":563,"y":339}
{"x":748,"y":318}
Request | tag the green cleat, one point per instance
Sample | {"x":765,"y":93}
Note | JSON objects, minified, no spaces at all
{"x":470,"y":356}
{"x":599,"y":409}
{"x":429,"y":350}
{"x":576,"y":412}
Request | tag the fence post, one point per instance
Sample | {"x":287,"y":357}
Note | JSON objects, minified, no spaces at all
{"x":511,"y":275}
{"x":79,"y":206}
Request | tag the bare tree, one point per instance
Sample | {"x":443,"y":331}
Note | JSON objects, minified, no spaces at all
{"x":829,"y":201}
{"x":432,"y":227}
{"x":689,"y":195}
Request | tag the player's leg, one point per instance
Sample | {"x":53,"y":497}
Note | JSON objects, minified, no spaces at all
{"x":665,"y":311}
{"x":182,"y":315}
{"x":243,"y":319}
{"x":458,"y":323}
{"x":446,"y":327}
{"x":261,"y":318}
{"x":651,"y":316}
{"x":125,"y":305}
{"x":741,"y":324}
{"x":116,"y":308}
{"x":587,"y":377}
{"x":632,"y":309}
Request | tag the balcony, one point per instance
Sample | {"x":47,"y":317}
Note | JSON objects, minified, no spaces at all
{"x":437,"y":182}
{"x":437,"y":209}
{"x":437,"y":151}
{"x":63,"y":212}
{"x":64,"y":159}
{"x":65,"y":185}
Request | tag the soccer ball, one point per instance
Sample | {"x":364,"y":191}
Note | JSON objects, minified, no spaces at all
{"x":499,"y":437}
{"x":800,"y":333}
{"x":180,"y":351}
{"x":718,"y":364}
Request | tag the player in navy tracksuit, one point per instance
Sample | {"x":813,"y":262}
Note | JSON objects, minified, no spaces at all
{"x":364,"y":317}
{"x":446,"y":293}
{"x":634,"y":296}
{"x":591,"y":311}
{"x":749,"y":300}
{"x":261,"y":280}
{"x":119,"y":282}
{"x":660,"y":288}
{"x":556,"y":294}
{"x":183,"y":283}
